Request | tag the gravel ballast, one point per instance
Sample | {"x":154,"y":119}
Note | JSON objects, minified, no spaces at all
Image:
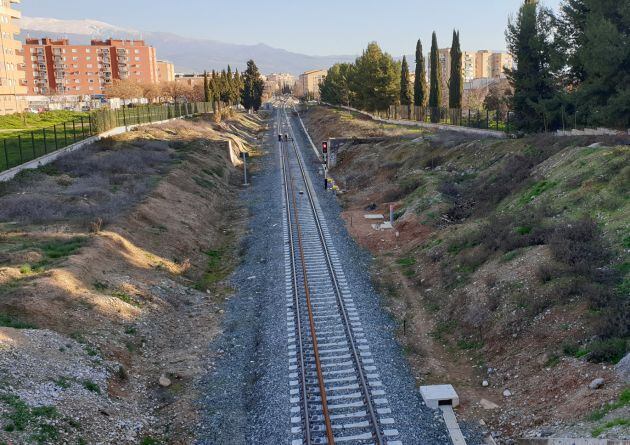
{"x":247,"y":394}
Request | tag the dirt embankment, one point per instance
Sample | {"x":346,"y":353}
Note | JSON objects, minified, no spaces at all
{"x":112,"y":263}
{"x":507,"y":268}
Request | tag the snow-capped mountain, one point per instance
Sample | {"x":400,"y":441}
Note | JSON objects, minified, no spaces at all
{"x":82,"y":27}
{"x":188,"y":55}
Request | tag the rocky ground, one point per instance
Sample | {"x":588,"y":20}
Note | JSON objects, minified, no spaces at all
{"x":112,"y":269}
{"x":521,"y":358}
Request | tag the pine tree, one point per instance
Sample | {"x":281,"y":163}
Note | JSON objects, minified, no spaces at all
{"x":435,"y":93}
{"x":595,"y":36}
{"x":456,"y":82}
{"x":238,"y":85}
{"x":206,"y":87}
{"x":253,"y":86}
{"x":405,"y":84}
{"x":535,"y":100}
{"x":420,"y":82}
{"x":375,"y":81}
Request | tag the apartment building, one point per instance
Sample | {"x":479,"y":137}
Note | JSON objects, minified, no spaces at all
{"x":165,"y":71}
{"x":468,"y":64}
{"x":57,"y":67}
{"x":12,"y":78}
{"x":483,"y":64}
{"x":499,"y":62}
{"x":308,"y":83}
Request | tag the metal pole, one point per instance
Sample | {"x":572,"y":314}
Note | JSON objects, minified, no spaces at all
{"x":124,"y":117}
{"x":82,"y":128}
{"x":138,"y":114}
{"x":45,"y":146}
{"x":56,"y":140}
{"x":33,"y":144}
{"x":149,"y":113}
{"x":74,"y":131}
{"x":6,"y":154}
{"x":244,"y":154}
{"x":20,"y":148}
{"x":65,"y":134}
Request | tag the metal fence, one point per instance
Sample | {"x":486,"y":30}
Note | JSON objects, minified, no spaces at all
{"x":25,"y":146}
{"x":485,"y":119}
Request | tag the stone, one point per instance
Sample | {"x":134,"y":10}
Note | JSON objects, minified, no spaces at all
{"x":623,"y":369}
{"x":507,"y":393}
{"x":596,"y":383}
{"x":164,"y":381}
{"x":487,"y":404}
{"x":484,"y":383}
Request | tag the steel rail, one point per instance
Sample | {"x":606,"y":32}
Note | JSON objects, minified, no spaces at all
{"x":351,"y":339}
{"x":318,"y":367}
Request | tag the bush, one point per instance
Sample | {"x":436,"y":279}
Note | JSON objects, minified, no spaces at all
{"x":609,"y":350}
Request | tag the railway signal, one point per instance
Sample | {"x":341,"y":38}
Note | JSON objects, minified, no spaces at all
{"x":325,"y":147}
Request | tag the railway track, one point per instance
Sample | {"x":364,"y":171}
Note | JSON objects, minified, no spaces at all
{"x":335,"y":388}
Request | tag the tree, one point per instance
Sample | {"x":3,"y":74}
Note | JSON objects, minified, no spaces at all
{"x":535,"y":100}
{"x":420,"y":82}
{"x":375,"y":82}
{"x":238,"y":86}
{"x":176,"y":91}
{"x":206,"y":87}
{"x":405,"y":84}
{"x":151,"y":91}
{"x":125,"y":89}
{"x":456,"y":82}
{"x":435,"y":93}
{"x":233,"y":88}
{"x":335,"y":88}
{"x":595,"y":38}
{"x":253,"y":87}
{"x":498,"y":98}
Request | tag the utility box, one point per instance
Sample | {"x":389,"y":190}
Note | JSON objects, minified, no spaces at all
{"x":436,"y":395}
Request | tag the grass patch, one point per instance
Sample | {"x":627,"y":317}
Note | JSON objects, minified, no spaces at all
{"x":148,"y":440}
{"x":125,"y":297}
{"x":218,"y":268}
{"x":406,"y":262}
{"x":20,"y":416}
{"x":623,"y":400}
{"x":469,"y":345}
{"x":613,"y":423}
{"x":535,"y":191}
{"x":9,"y":321}
{"x":63,"y":382}
{"x":63,"y":248}
{"x":91,"y":386}
{"x":205,"y":183}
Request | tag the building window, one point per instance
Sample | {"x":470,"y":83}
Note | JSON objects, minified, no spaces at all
{"x":89,"y":65}
{"x":137,"y":59}
{"x":74,"y":50}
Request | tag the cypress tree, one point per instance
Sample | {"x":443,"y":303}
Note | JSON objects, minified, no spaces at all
{"x":206,"y":87}
{"x":405,"y":84}
{"x":253,"y":86}
{"x":435,"y":93}
{"x":456,"y":82}
{"x":420,"y":82}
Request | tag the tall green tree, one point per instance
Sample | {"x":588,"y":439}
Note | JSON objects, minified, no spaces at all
{"x":406,"y":97}
{"x":420,"y":96}
{"x":595,"y":37}
{"x":238,"y":85}
{"x":456,"y":81}
{"x":253,"y":86}
{"x":335,"y":89}
{"x":375,"y":82}
{"x":435,"y":92}
{"x":535,"y":100}
{"x":206,"y":87}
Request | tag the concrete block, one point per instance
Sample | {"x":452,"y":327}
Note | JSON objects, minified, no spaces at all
{"x":435,"y":395}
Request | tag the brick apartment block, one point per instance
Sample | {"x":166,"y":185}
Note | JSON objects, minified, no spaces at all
{"x":57,"y":67}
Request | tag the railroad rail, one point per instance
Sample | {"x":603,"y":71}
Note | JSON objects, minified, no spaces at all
{"x":336,"y":392}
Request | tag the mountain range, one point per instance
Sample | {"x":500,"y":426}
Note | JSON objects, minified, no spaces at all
{"x":188,"y":54}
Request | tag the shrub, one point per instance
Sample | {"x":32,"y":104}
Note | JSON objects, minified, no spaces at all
{"x":609,"y":350}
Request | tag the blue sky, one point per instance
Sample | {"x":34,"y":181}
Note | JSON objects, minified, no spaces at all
{"x":319,"y":27}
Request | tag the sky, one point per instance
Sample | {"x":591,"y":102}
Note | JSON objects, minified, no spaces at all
{"x":322,"y":27}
